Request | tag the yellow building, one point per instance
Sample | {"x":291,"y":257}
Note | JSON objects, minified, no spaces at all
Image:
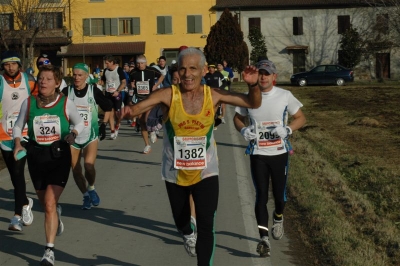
{"x":129,"y":28}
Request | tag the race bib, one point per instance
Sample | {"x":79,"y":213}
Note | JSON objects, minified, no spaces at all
{"x":47,"y":129}
{"x":190,"y":153}
{"x":111,"y":86}
{"x":84,"y":112}
{"x":266,"y":139}
{"x":10,"y":122}
{"x":143,"y":87}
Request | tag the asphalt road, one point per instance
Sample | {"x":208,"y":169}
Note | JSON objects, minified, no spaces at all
{"x":133,"y":224}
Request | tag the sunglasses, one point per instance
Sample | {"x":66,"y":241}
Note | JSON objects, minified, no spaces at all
{"x":45,"y":62}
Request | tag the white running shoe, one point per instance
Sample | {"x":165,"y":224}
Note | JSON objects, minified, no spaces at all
{"x":113,"y":136}
{"x":264,"y":247}
{"x":277,"y":229}
{"x":48,"y":258}
{"x":222,"y":120}
{"x":153,"y":137}
{"x":189,"y":242}
{"x":15,"y":224}
{"x":147,"y":149}
{"x":60,"y":228}
{"x":27,"y":215}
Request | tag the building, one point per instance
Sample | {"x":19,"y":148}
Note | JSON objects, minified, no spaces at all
{"x":301,"y":34}
{"x":129,"y":28}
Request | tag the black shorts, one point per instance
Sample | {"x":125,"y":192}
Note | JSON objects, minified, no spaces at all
{"x":46,"y":167}
{"x":117,"y":101}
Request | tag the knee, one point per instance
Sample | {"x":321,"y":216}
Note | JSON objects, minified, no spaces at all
{"x":89,"y":167}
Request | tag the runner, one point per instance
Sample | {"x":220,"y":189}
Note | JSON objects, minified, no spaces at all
{"x":269,"y":147}
{"x":15,"y":87}
{"x":86,"y":98}
{"x":143,"y":81}
{"x":49,"y":117}
{"x":190,"y":162}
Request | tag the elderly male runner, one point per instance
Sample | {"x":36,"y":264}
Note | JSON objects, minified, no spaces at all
{"x":189,"y":162}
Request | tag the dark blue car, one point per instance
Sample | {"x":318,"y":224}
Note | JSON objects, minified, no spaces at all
{"x":323,"y":74}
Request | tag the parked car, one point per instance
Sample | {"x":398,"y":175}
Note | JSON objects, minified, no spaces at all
{"x":323,"y":74}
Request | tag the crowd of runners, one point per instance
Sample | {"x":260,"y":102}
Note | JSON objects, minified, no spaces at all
{"x":51,"y":125}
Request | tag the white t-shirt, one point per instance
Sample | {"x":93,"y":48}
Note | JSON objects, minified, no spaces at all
{"x":275,"y":107}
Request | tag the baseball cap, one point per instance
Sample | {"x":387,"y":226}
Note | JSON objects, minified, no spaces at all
{"x":183,"y":47}
{"x":267,"y":65}
{"x":211,"y":65}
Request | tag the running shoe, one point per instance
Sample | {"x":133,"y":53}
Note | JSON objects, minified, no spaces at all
{"x":264,"y":247}
{"x":116,"y":131}
{"x":87,"y":203}
{"x":153,"y":137}
{"x":193,"y":224}
{"x":277,"y":229}
{"x":129,"y":122}
{"x":147,"y":149}
{"x":133,"y":124}
{"x":27,"y":215}
{"x":189,"y":241}
{"x":15,"y":224}
{"x":60,"y":228}
{"x":94,"y":197}
{"x":113,"y":136}
{"x":222,"y":120}
{"x":48,"y":258}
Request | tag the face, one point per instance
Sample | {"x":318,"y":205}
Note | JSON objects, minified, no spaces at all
{"x":161,"y":63}
{"x":191,"y":72}
{"x":11,"y":68}
{"x":211,"y":70}
{"x":225,"y":63}
{"x":220,"y":67}
{"x":47,"y":83}
{"x":266,"y":80}
{"x":175,"y":78}
{"x":110,"y":65}
{"x":141,"y":65}
{"x":80,"y":77}
{"x":126,"y":68}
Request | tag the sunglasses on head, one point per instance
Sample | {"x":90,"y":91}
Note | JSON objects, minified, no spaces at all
{"x":45,"y":62}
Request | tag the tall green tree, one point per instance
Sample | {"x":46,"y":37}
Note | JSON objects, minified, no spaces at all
{"x":351,"y":48}
{"x":257,"y":41}
{"x":225,"y":42}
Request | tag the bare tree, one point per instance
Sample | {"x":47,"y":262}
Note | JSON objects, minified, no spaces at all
{"x":22,"y":22}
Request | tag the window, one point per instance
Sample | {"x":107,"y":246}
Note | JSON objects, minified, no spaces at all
{"x":297,"y":25}
{"x":129,"y":26}
{"x":254,"y":22}
{"x":5,"y":2}
{"x":194,"y":24}
{"x":299,"y":61}
{"x":7,"y":21}
{"x":47,"y":20}
{"x":343,"y":24}
{"x":164,"y":24}
{"x":50,"y":1}
{"x":382,"y":23}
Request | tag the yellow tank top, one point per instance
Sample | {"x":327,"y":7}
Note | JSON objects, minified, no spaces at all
{"x":180,"y":124}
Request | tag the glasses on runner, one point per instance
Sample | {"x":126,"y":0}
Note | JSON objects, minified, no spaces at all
{"x":45,"y":62}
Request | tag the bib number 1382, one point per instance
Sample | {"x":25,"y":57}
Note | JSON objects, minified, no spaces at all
{"x":190,"y":153}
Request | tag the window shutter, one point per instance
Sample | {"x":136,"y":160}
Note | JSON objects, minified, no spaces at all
{"x":190,"y":24}
{"x":59,"y":20}
{"x":136,"y":26}
{"x":160,"y":25}
{"x":168,"y":25}
{"x":107,"y":26}
{"x":198,"y":24}
{"x":114,"y":26}
{"x":254,"y":22}
{"x":297,"y":26}
{"x":86,"y":27}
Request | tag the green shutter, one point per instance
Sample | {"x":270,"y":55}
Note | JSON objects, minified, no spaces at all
{"x":190,"y":24}
{"x":160,"y":25}
{"x":136,"y":26}
{"x":107,"y":26}
{"x":114,"y":26}
{"x":59,"y":20}
{"x":86,"y":27}
{"x":198,"y":24}
{"x":168,"y":25}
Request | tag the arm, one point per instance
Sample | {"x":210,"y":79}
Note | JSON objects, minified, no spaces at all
{"x":239,"y":121}
{"x":158,"y":96}
{"x":18,"y":127}
{"x":74,"y":117}
{"x":159,"y":81}
{"x":122,"y":84}
{"x":298,"y":121}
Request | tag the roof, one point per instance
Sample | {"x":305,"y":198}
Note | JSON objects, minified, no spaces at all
{"x":287,"y":4}
{"x":101,"y":49}
{"x":42,"y":41}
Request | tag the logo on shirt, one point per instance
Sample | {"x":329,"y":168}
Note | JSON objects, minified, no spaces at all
{"x":15,"y":96}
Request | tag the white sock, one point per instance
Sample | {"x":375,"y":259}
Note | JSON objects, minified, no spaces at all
{"x":90,"y":188}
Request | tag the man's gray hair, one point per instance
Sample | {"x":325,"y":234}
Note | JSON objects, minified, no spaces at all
{"x":192,"y":51}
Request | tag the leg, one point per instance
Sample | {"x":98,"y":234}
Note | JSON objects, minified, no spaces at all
{"x":143,"y":126}
{"x":89,"y":155}
{"x":179,"y":201}
{"x":205,"y":195}
{"x":77,"y":169}
{"x":279,"y":171}
{"x":260,"y":174}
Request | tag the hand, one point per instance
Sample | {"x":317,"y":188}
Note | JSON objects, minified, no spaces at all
{"x":16,"y":150}
{"x":247,"y":133}
{"x":282,"y":132}
{"x":115,"y":93}
{"x":250,"y":75}
{"x":102,"y":131}
{"x":70,"y":138}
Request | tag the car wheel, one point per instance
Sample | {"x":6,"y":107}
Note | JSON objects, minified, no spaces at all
{"x":302,"y":82}
{"x":340,"y":82}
